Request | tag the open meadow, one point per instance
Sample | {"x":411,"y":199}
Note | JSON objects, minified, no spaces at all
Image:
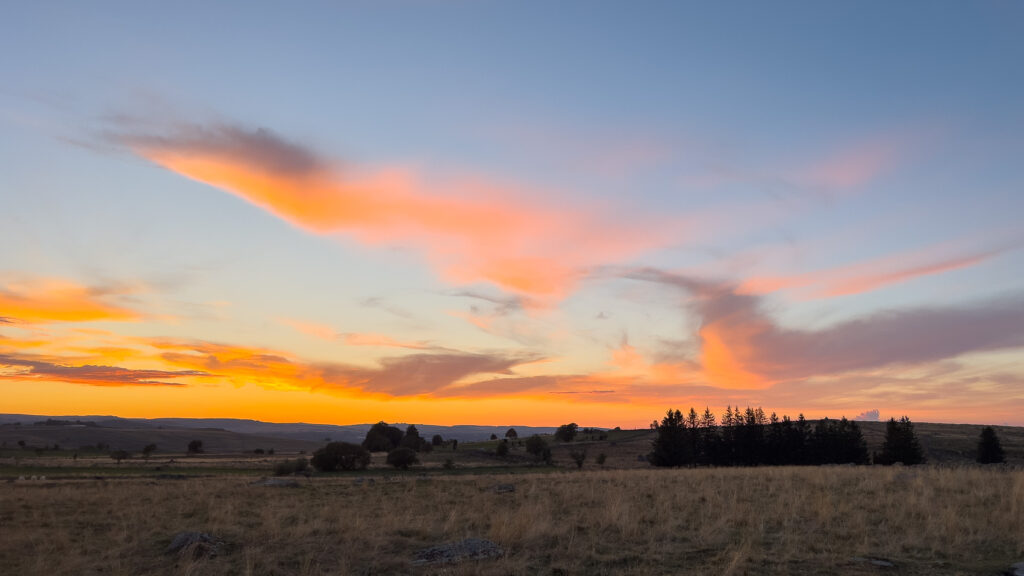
{"x":796,"y":520}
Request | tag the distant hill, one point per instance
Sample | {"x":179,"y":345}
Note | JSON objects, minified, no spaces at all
{"x":302,"y":433}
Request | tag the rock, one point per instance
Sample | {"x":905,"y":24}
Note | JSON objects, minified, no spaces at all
{"x":277,"y":482}
{"x":1016,"y":570}
{"x":879,"y":562}
{"x":504,"y":488}
{"x":468,"y":549}
{"x":198,"y":543}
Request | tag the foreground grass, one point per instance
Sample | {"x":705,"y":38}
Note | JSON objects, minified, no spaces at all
{"x":721,"y":521}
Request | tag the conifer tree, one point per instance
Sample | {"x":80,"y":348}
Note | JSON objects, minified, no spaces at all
{"x":990,"y":451}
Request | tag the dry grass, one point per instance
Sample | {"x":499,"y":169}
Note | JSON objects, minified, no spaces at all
{"x":723,"y":521}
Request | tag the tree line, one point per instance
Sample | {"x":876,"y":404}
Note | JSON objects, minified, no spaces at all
{"x":751,"y":438}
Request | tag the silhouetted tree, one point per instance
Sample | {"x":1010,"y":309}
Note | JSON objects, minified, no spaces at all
{"x":341,"y":456}
{"x":437,"y":440}
{"x":901,"y":444}
{"x":536,"y":446}
{"x":990,"y":451}
{"x":148,"y":449}
{"x":382,"y":438}
{"x":195,"y":447}
{"x":494,"y":436}
{"x":512,"y":434}
{"x":578,"y":456}
{"x":566,"y":432}
{"x":671,"y":447}
{"x":120,"y":455}
{"x":838,"y":442}
{"x":411,"y":439}
{"x":502,"y":448}
{"x":402,"y":457}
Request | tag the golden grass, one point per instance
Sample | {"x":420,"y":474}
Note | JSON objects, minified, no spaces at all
{"x":719,"y":521}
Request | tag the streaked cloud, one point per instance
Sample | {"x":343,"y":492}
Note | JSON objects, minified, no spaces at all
{"x":743,"y":347}
{"x":873,"y":274}
{"x":470,"y":229}
{"x":34,"y":368}
{"x":48,"y":300}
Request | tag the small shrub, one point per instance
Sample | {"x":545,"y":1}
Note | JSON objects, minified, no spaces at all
{"x":539,"y":448}
{"x":341,"y":455}
{"x":195,"y":447}
{"x":502,"y":449}
{"x":449,"y":464}
{"x":289,"y":467}
{"x":578,"y":456}
{"x":402,"y":457}
{"x":601,"y":458}
{"x":120,"y":455}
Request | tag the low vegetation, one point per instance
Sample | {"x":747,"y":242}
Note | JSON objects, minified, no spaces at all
{"x":768,"y":520}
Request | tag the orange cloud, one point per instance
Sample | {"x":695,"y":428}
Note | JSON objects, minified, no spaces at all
{"x":867,"y":276}
{"x":52,"y":300}
{"x":470,"y":230}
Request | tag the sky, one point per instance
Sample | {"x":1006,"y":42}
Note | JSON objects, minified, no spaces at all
{"x":512,"y":212}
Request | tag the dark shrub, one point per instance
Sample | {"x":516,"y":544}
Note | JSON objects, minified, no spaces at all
{"x":539,"y":448}
{"x":341,"y":456}
{"x":402,"y":457}
{"x":502,"y":449}
{"x":195,"y":447}
{"x":289,"y":467}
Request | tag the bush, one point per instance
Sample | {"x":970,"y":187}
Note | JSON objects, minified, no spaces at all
{"x":502,"y":449}
{"x":195,"y":447}
{"x":539,"y":448}
{"x":289,"y":467}
{"x":120,"y":455}
{"x":341,"y":456}
{"x":437,"y":440}
{"x":578,"y":456}
{"x":601,"y":458}
{"x":449,"y":464}
{"x":402,"y":458}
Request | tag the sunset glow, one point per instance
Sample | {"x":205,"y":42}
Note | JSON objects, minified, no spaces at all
{"x":430,"y":219}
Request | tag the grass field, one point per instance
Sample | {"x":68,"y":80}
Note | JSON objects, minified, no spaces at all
{"x":705,"y":521}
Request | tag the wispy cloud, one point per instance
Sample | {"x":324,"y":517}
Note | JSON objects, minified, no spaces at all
{"x":41,"y":301}
{"x":470,"y":229}
{"x":874,"y":274}
{"x":35,"y":368}
{"x":743,"y":347}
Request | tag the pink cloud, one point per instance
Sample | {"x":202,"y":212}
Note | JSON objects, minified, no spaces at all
{"x":470,"y":229}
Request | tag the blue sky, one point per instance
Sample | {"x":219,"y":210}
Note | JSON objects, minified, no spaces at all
{"x":690,"y":191}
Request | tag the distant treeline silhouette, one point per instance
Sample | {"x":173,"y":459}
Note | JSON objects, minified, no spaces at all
{"x":750,"y":438}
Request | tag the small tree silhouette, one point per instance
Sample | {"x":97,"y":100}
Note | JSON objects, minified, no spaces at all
{"x":990,"y":451}
{"x":901,"y":443}
{"x":195,"y":447}
{"x":578,"y":456}
{"x":502,"y":448}
{"x":120,"y":455}
{"x":148,"y":449}
{"x":511,"y":434}
{"x":566,"y":432}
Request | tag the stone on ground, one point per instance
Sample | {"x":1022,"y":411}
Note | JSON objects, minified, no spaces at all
{"x":468,"y":549}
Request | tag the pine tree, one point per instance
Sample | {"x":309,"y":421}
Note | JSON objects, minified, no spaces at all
{"x":990,"y":451}
{"x":901,"y":444}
